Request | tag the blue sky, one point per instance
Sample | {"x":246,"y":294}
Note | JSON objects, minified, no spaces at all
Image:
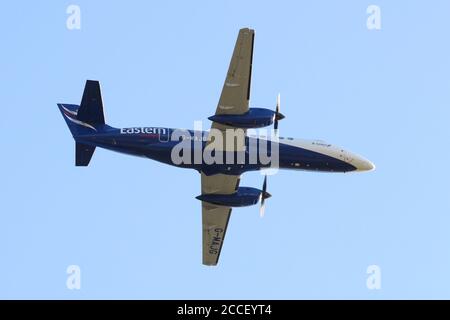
{"x":134,"y":226}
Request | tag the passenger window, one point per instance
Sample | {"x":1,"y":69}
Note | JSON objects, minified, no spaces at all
{"x":164,"y":134}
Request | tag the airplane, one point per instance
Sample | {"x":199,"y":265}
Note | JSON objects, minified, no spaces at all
{"x":220,"y":190}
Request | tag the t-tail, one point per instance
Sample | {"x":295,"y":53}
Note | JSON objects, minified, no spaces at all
{"x":86,"y":119}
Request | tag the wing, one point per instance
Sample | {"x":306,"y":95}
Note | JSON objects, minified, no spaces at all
{"x":215,"y":218}
{"x":235,"y":95}
{"x":234,"y":99}
{"x":236,"y":89}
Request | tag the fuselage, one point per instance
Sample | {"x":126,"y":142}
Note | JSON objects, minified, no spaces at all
{"x":159,"y":144}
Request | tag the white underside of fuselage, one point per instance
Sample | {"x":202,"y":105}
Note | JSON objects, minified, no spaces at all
{"x":322,"y":147}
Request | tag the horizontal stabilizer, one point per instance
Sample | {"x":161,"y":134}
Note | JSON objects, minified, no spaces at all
{"x":83,"y":154}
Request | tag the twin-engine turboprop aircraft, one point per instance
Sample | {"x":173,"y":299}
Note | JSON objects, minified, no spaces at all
{"x":206,"y":151}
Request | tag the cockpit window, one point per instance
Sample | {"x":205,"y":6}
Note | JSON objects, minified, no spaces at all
{"x":321,"y":143}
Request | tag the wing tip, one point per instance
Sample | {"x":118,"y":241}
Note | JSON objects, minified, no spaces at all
{"x":210,"y":264}
{"x":247,"y":29}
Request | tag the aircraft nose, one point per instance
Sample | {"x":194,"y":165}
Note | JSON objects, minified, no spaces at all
{"x":362,"y":164}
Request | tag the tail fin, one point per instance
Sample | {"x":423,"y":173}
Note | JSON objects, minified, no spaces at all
{"x":91,"y":108}
{"x":86,"y":119}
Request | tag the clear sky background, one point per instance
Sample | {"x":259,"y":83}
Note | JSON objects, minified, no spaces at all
{"x":134,"y":225}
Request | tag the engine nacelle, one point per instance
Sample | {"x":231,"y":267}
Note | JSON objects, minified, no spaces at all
{"x":244,"y":196}
{"x":254,"y":118}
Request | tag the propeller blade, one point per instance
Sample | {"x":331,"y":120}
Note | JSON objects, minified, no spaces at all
{"x":278,"y":115}
{"x":278,"y":104}
{"x":262,"y":209}
{"x":264,"y":196}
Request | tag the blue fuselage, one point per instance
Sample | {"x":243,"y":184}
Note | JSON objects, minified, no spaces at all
{"x":157,"y":144}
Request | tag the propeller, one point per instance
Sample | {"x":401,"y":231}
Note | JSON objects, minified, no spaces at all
{"x":278,"y":114}
{"x":264,"y":196}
